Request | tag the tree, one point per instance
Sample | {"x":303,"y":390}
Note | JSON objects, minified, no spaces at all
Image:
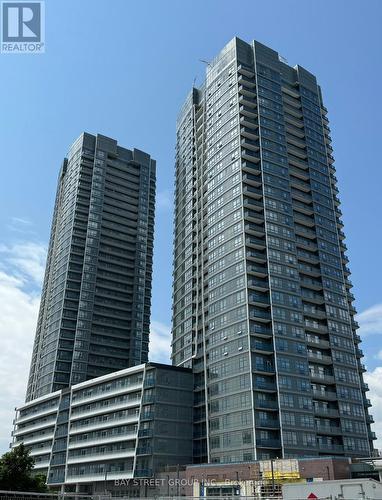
{"x":16,"y":471}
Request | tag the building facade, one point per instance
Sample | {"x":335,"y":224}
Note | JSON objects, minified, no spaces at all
{"x":262,"y":302}
{"x":124,"y":425}
{"x":95,"y":305}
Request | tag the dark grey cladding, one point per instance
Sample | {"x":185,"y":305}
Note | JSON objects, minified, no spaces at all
{"x":262,"y":305}
{"x":95,"y":305}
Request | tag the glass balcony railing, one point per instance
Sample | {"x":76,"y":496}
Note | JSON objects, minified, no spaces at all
{"x":262,"y":346}
{"x":254,"y":297}
{"x":259,"y":330}
{"x":334,"y":448}
{"x":328,"y":412}
{"x":268,"y":443}
{"x":264,"y":368}
{"x":265,"y":385}
{"x":269,"y":423}
{"x":264,"y":403}
{"x":329,"y":395}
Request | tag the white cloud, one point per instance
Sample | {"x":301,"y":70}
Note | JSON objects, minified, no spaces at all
{"x":21,"y":270}
{"x":160,"y":339}
{"x":370,"y":321}
{"x":20,"y":220}
{"x":374,"y":379}
{"x":21,"y":225}
{"x":26,"y":261}
{"x":164,"y":200}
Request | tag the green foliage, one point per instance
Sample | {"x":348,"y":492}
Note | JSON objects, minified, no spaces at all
{"x":16,"y":471}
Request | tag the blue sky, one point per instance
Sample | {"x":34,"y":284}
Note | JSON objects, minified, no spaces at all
{"x":123,"y":69}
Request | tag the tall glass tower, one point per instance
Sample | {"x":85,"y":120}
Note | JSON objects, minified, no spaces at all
{"x":262,"y":302}
{"x":95,"y":305}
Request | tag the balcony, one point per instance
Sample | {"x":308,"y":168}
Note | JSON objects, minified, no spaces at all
{"x":369,"y":419}
{"x":308,"y":257}
{"x":317,"y":342}
{"x":291,"y":111}
{"x":326,"y":412}
{"x":248,"y":102}
{"x":267,"y":423}
{"x":329,"y":447}
{"x":292,"y":101}
{"x":265,"y":386}
{"x":264,"y":368}
{"x":294,"y":131}
{"x":290,"y":92}
{"x":268,"y":443}
{"x":325,"y":395}
{"x":254,"y":242}
{"x":145,"y":433}
{"x":264,"y":347}
{"x":310,"y":283}
{"x":307,"y":233}
{"x":322,"y":377}
{"x":304,"y":219}
{"x":303,"y":207}
{"x":250,"y":167}
{"x":143,"y":473}
{"x":257,"y":270}
{"x":299,"y":195}
{"x":266,"y":404}
{"x":293,"y":121}
{"x":328,"y":429}
{"x":247,"y":91}
{"x":249,"y":133}
{"x":310,"y":270}
{"x":315,"y":298}
{"x":294,"y":141}
{"x":247,"y":112}
{"x":254,"y":207}
{"x":297,"y":183}
{"x":144,"y":450}
{"x":258,"y":298}
{"x":249,"y":122}
{"x":245,"y":80}
{"x":260,"y":330}
{"x":320,"y":358}
{"x":147,"y":416}
{"x":313,"y":312}
{"x":359,"y":353}
{"x":250,"y":144}
{"x":252,"y":194}
{"x":255,"y":254}
{"x":245,"y":70}
{"x":261,"y":285}
{"x":315,"y":326}
{"x":250,"y":155}
{"x":259,"y":315}
{"x":252,"y":180}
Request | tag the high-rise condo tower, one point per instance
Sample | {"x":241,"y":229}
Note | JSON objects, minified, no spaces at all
{"x":95,"y":305}
{"x":262,"y":302}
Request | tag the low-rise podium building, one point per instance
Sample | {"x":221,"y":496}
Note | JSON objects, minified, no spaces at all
{"x":123,"y":425}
